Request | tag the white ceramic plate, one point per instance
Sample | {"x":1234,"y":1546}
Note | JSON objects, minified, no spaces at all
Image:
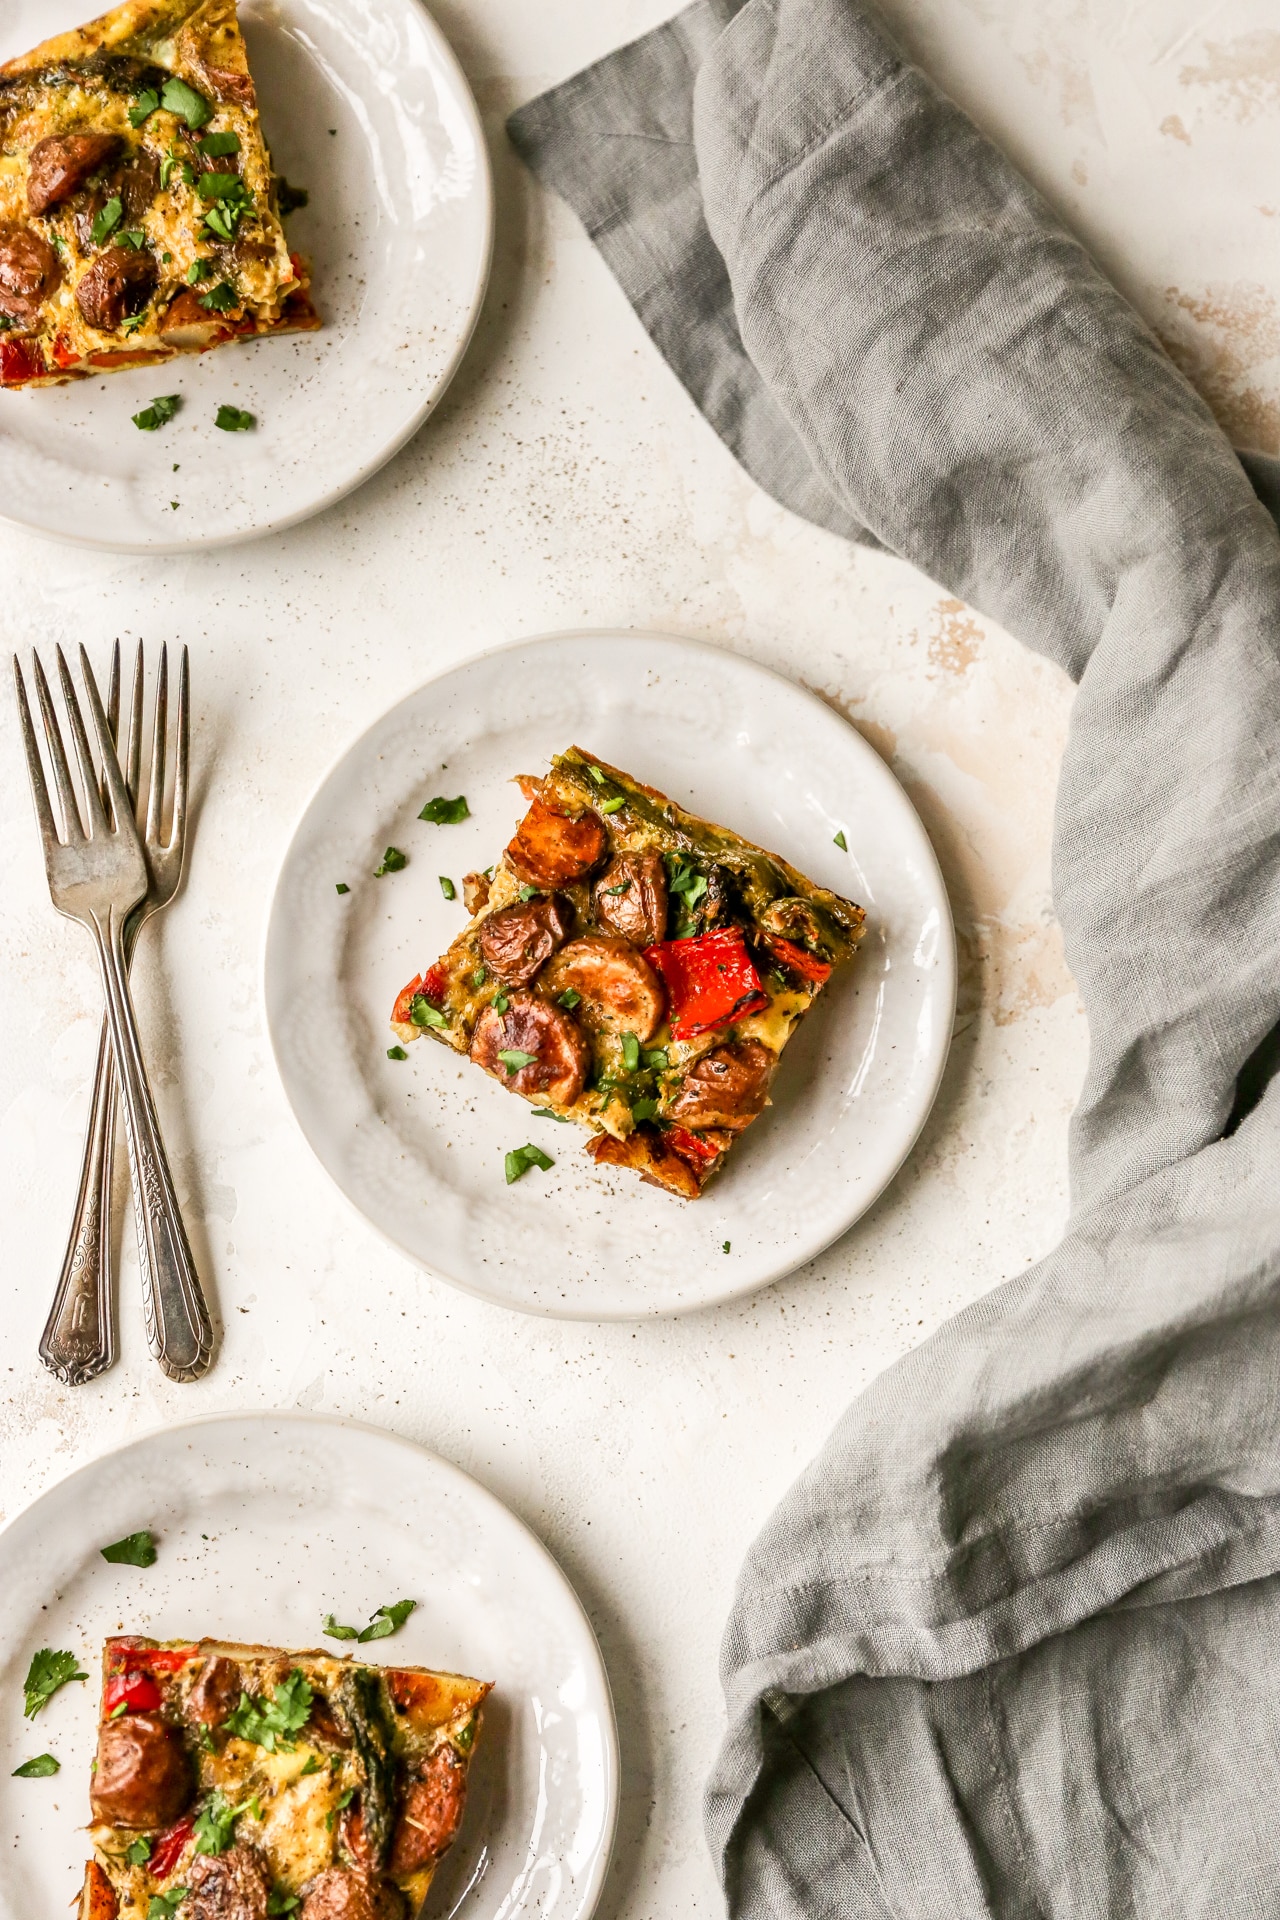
{"x":419,"y":1146}
{"x":367,"y":109}
{"x":264,"y":1523}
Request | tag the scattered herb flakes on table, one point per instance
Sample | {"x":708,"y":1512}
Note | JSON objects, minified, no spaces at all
{"x":634,"y":968}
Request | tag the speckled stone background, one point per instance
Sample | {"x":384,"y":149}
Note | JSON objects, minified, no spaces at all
{"x":567,"y":481}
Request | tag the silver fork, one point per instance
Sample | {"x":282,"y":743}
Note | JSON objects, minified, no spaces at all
{"x":97,"y":874}
{"x":78,"y":1342}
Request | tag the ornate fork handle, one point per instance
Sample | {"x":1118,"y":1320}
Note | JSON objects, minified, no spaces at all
{"x":179,"y":1332}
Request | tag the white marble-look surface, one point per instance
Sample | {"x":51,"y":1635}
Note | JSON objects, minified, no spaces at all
{"x":567,"y":481}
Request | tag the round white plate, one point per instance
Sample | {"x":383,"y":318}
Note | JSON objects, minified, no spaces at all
{"x":266,"y":1522}
{"x":418,"y":1146}
{"x":369,"y":111}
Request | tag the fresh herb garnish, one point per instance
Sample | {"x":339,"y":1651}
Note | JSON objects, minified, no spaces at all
{"x":549,"y":1113}
{"x":500,"y":1002}
{"x":215,"y":1823}
{"x":231,"y":198}
{"x":133,"y":237}
{"x":135,"y":1550}
{"x":423,"y":1014}
{"x":446,"y":813}
{"x":48,"y":1671}
{"x":688,"y":886}
{"x":343,"y":1800}
{"x":167,"y":165}
{"x":630,"y":1052}
{"x":527,"y":892}
{"x":197,"y":271}
{"x":644,"y":1110}
{"x":597,"y":774}
{"x":163,"y":1905}
{"x":479,"y":977}
{"x":269,"y":1723}
{"x":612,"y":806}
{"x":289,"y":199}
{"x":519,"y":1162}
{"x":132,"y":324}
{"x":161,"y":410}
{"x":38,"y":1769}
{"x":189,"y":105}
{"x":396,"y":1053}
{"x":725,"y":1247}
{"x":278,"y":1901}
{"x":513,"y":1059}
{"x":106,"y":220}
{"x":221,"y":299}
{"x":841,"y":842}
{"x":341,"y":887}
{"x":313,"y":1759}
{"x":657,"y":1061}
{"x":214,"y":145}
{"x":117,"y":1713}
{"x":384,"y":1621}
{"x":447,"y":887}
{"x":147,"y":103}
{"x":624,"y":888}
{"x":570,"y":998}
{"x":392,"y":862}
{"x":138,"y":1852}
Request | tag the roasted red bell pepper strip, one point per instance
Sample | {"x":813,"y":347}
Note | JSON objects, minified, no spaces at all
{"x":798,"y":960}
{"x":132,"y":1692}
{"x":693,"y":1147}
{"x":127,"y":1654}
{"x":167,"y":1851}
{"x":64,"y":354}
{"x":710,"y":980}
{"x":20,"y":361}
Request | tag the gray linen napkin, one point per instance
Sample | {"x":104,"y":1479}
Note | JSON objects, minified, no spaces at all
{"x":1011,"y":1645}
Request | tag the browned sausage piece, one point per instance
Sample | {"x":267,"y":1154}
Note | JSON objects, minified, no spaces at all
{"x":728,"y":1087}
{"x":235,"y":1885}
{"x":619,"y":990}
{"x":516,"y":940}
{"x":216,"y":1691}
{"x":342,"y":1893}
{"x":432,"y":1813}
{"x":560,"y":1053}
{"x":142,"y":1777}
{"x":550,"y":849}
{"x":631,"y":897}
{"x":28,"y":271}
{"x":62,"y":163}
{"x":118,"y":284}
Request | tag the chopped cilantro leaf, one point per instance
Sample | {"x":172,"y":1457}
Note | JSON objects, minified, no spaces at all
{"x":197,"y":271}
{"x":214,"y":145}
{"x":423,"y":1014}
{"x":221,"y":299}
{"x":519,"y":1162}
{"x":644,"y":1110}
{"x":549,"y":1113}
{"x":221,"y":186}
{"x":132,"y":324}
{"x":446,"y":813}
{"x":725,"y":1247}
{"x":135,"y":1550}
{"x":133,"y":237}
{"x":269,"y":1723}
{"x":167,"y":166}
{"x":48,"y":1671}
{"x":447,"y":887}
{"x":841,"y":842}
{"x":513,"y":1059}
{"x":384,"y":1622}
{"x":230,"y":419}
{"x":527,"y":892}
{"x":630,"y":1052}
{"x":341,"y":887}
{"x":313,"y":1759}
{"x":392,"y":862}
{"x":189,"y":105}
{"x":278,"y":1901}
{"x":106,"y":220}
{"x":612,"y":806}
{"x":163,"y":1905}
{"x":343,"y":1800}
{"x":336,"y":1631}
{"x":138,"y":1852}
{"x":161,"y":410}
{"x":570,"y":998}
{"x":38,"y":1769}
{"x":144,"y":106}
{"x":500,"y":1003}
{"x":479,"y":977}
{"x":657,"y":1061}
{"x":215,"y":1823}
{"x":396,"y":1053}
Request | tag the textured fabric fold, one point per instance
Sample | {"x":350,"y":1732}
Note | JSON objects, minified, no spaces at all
{"x":979,"y":1657}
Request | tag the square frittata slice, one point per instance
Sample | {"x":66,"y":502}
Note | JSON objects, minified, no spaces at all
{"x":139,"y":216}
{"x":634,"y":968}
{"x":232,"y":1782}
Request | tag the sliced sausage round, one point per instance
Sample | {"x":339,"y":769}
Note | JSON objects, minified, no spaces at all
{"x":142,"y":1776}
{"x":630,"y":897}
{"x":60,"y":165}
{"x":516,"y":940}
{"x":344,"y":1893}
{"x":235,"y":1885}
{"x":29,"y":271}
{"x":119,"y":283}
{"x":433,"y":1807}
{"x":217,"y":1689}
{"x":559,"y":1054}
{"x":550,"y":849}
{"x":618,"y":989}
{"x":728,"y":1087}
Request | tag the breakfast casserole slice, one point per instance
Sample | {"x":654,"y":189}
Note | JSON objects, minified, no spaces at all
{"x":234,"y":1782}
{"x":634,"y":968}
{"x":138,"y":213}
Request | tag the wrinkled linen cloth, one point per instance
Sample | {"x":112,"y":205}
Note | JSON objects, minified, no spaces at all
{"x":1011,"y":1646}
